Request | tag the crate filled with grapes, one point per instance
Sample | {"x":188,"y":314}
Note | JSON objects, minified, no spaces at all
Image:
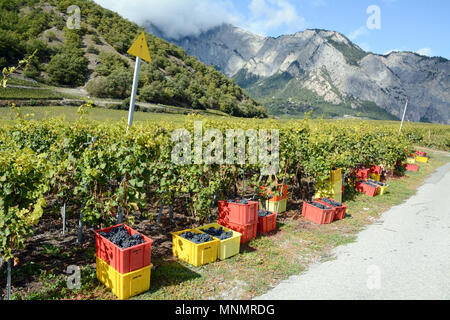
{"x":194,"y":247}
{"x":230,"y":240}
{"x":338,"y":207}
{"x":123,"y":248}
{"x":411,"y":167}
{"x":383,"y":186}
{"x":317,"y":212}
{"x":242,"y":212}
{"x":369,"y":188}
{"x":267,"y":221}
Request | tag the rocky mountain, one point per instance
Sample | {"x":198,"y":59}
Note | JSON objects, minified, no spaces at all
{"x":324,"y":72}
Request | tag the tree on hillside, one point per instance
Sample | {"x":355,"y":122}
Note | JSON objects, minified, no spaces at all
{"x":117,"y":85}
{"x":110,"y":61}
{"x":68,"y":68}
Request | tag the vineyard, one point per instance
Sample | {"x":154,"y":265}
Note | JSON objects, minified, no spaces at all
{"x":103,"y":171}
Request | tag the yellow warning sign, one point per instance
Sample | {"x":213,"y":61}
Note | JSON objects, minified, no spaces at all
{"x":140,"y":48}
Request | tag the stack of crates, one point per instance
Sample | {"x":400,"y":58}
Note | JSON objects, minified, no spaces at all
{"x":362,"y":174}
{"x":278,"y":203}
{"x":375,"y":172}
{"x":125,"y":271}
{"x":240,"y":217}
{"x":331,"y":188}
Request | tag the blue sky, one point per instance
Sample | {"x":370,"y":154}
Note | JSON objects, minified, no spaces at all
{"x":410,"y":25}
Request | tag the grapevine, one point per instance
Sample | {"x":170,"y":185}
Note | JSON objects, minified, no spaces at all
{"x":102,"y":169}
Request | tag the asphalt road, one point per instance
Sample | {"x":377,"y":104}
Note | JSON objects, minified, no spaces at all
{"x":405,"y":255}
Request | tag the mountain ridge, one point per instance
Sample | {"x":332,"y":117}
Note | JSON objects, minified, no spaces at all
{"x":327,"y":65}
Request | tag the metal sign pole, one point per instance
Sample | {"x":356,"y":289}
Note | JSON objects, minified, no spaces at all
{"x":133,"y":92}
{"x":403,"y":118}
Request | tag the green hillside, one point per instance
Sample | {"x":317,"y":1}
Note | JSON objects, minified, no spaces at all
{"x":95,"y":57}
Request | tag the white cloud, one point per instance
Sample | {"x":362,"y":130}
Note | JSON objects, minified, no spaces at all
{"x":393,"y":50}
{"x":267,"y":15}
{"x":358,"y":32}
{"x":425,"y":52}
{"x":176,"y":18}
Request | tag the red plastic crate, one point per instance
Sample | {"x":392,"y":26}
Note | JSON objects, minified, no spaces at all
{"x":267,"y":223}
{"x":411,"y":167}
{"x":339,"y":212}
{"x":375,"y":169}
{"x":369,"y":190}
{"x":239,"y":213}
{"x":420,"y":153}
{"x":316,"y":215}
{"x":281,"y":188}
{"x":248,"y":231}
{"x":362,"y":174}
{"x":124,"y":260}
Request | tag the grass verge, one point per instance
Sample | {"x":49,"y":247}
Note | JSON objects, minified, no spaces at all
{"x":32,"y":93}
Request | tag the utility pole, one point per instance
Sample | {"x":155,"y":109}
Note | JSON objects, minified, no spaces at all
{"x":403,"y":118}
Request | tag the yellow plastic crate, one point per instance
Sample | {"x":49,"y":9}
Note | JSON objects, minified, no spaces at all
{"x":273,"y":205}
{"x":228,"y":247}
{"x":193,"y":253}
{"x":410,"y":160}
{"x":335,"y":196}
{"x":333,"y":190}
{"x":382,"y":190}
{"x":124,"y":285}
{"x":336,"y":175}
{"x":374,"y":176}
{"x":421,"y":159}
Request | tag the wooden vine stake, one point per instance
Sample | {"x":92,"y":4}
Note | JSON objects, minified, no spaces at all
{"x":8,"y":280}
{"x":63,"y":214}
{"x":119,"y":216}
{"x":80,"y":229}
